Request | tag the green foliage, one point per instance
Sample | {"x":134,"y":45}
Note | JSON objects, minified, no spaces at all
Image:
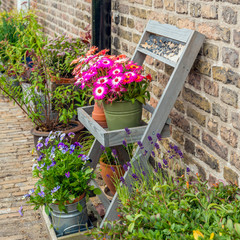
{"x":61,"y":51}
{"x":168,"y":207}
{"x":62,"y":172}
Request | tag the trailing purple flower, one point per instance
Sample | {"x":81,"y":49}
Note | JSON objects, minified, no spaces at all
{"x":159,"y":165}
{"x":124,"y":143}
{"x":127,"y":131}
{"x":21,"y":211}
{"x":140,"y":145}
{"x":153,"y":154}
{"x":55,"y":189}
{"x":108,"y":175}
{"x":129,"y":164}
{"x":39,"y":146}
{"x":102,"y":147}
{"x":150,"y":139}
{"x":144,"y":174}
{"x":114,"y":152}
{"x":46,"y":141}
{"x":157,"y":146}
{"x":41,"y":194}
{"x":125,"y":167}
{"x":135,"y":176}
{"x":113,"y":169}
{"x":159,"y":137}
{"x":67,"y":174}
{"x":165,"y":162}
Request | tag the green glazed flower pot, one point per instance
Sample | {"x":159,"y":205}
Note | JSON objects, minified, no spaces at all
{"x":121,"y":115}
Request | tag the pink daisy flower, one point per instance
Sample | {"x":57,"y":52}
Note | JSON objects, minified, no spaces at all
{"x":116,"y":71}
{"x":129,"y":77}
{"x":105,"y":62}
{"x":118,"y":89}
{"x":89,"y":74}
{"x":99,"y":92}
{"x":102,"y":80}
{"x":132,"y":66}
{"x":116,"y":81}
{"x":139,"y":78}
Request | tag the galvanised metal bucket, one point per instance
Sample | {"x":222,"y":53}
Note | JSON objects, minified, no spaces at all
{"x":121,"y":115}
{"x":71,"y":222}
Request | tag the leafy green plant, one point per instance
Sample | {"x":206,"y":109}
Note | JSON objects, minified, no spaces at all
{"x":173,"y":207}
{"x":62,"y":50}
{"x":62,"y":172}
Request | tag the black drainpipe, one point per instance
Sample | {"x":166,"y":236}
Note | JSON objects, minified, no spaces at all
{"x":101,"y":24}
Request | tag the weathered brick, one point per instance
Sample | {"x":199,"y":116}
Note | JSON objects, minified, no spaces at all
{"x":125,"y":34}
{"x":130,"y":23}
{"x":235,"y":160}
{"x":169,"y":5}
{"x":229,"y":136}
{"x":230,"y":56}
{"x":124,"y":47}
{"x":235,"y":119}
{"x":137,"y":12}
{"x":182,"y":7}
{"x":230,"y":175}
{"x":211,"y":87}
{"x":229,"y":97}
{"x":213,"y":126}
{"x":179,"y":105}
{"x":185,"y":23}
{"x":179,"y":121}
{"x":195,"y":132}
{"x":209,"y":11}
{"x":233,"y":1}
{"x":153,"y":102}
{"x":123,"y":8}
{"x":219,"y":111}
{"x":233,"y":78}
{"x":178,"y":136}
{"x":163,"y":79}
{"x":116,"y":42}
{"x":203,"y":67}
{"x":210,"y":30}
{"x":136,"y":37}
{"x":207,"y":158}
{"x":189,"y":146}
{"x":195,"y":10}
{"x":224,"y":34}
{"x":139,"y":25}
{"x":211,"y":51}
{"x":220,"y":74}
{"x":195,"y":80}
{"x":215,"y":145}
{"x":157,"y":91}
{"x":229,"y":15}
{"x":148,"y":3}
{"x":123,"y":21}
{"x":197,"y":116}
{"x":211,"y":180}
{"x":236,"y":38}
{"x":158,"y":4}
{"x":196,"y":99}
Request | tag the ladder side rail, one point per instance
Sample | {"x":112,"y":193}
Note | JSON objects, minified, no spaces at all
{"x":163,"y":109}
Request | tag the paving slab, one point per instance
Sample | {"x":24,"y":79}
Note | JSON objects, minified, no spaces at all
{"x":16,"y":144}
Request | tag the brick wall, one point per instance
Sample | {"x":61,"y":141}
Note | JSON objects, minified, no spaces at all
{"x":66,"y":16}
{"x":8,"y":5}
{"x":206,"y":117}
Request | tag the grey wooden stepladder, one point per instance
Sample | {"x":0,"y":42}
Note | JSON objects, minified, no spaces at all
{"x":182,"y":47}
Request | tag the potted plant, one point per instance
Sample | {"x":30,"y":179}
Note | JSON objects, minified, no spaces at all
{"x":110,"y":168}
{"x":62,"y":187}
{"x":50,"y":109}
{"x":118,"y":83}
{"x":62,"y":50}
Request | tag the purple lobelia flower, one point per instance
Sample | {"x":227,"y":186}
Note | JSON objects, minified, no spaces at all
{"x":67,"y":174}
{"x":108,"y":175}
{"x":114,"y":152}
{"x":125,"y":167}
{"x":135,"y":176}
{"x":113,"y":169}
{"x":122,"y":180}
{"x":124,"y":143}
{"x":55,"y":189}
{"x":153,"y":153}
{"x":144,"y":174}
{"x":46,"y":141}
{"x":165,"y":162}
{"x":188,"y":170}
{"x":140,"y":144}
{"x":127,"y":131}
{"x":53,"y":163}
{"x":41,"y":194}
{"x":102,"y":147}
{"x":129,"y":164}
{"x":145,"y":153}
{"x":39,"y":146}
{"x":159,"y":137}
{"x":159,"y":165}
{"x":157,"y":146}
{"x":21,"y":211}
{"x":71,"y":134}
{"x":150,"y":139}
{"x":155,"y":170}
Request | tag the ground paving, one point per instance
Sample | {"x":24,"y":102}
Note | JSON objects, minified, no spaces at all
{"x":16,"y":144}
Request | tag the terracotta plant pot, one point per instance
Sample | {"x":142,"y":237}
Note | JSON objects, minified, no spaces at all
{"x":77,"y":128}
{"x":61,"y":80}
{"x":98,"y":115}
{"x":108,"y":174}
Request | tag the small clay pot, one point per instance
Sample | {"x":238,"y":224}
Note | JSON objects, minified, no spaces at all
{"x":98,"y":115}
{"x":109,"y":173}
